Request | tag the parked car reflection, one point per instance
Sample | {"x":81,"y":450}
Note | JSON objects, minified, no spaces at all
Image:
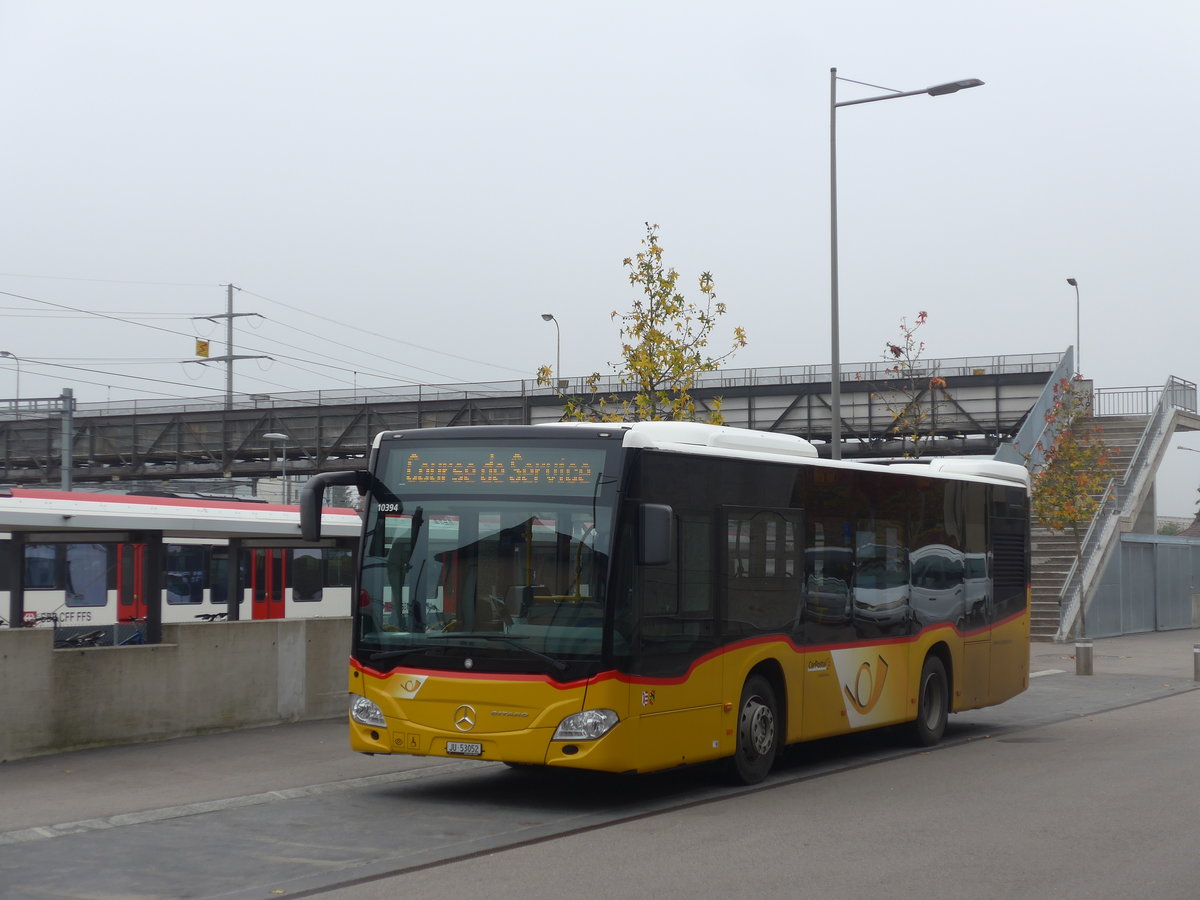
{"x":881,"y":586}
{"x":938,"y":591}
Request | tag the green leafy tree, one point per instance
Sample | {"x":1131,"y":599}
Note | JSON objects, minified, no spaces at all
{"x":664,"y":348}
{"x":910,"y":393}
{"x":1070,"y":485}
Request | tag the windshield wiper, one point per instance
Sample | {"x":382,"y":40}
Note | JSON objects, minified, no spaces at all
{"x":505,"y":639}
{"x":397,"y":654}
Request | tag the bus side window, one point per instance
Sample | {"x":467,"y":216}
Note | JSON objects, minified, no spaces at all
{"x":829,"y":576}
{"x":762,"y":569}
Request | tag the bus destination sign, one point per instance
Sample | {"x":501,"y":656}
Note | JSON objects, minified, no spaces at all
{"x":546,"y":470}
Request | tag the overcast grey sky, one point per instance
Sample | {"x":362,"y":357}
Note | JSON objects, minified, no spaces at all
{"x":401,"y":189}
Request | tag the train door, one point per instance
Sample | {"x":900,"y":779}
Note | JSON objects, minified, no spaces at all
{"x":131,"y":596}
{"x":268,"y":583}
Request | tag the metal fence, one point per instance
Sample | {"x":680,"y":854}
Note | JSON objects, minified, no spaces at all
{"x":1152,"y":583}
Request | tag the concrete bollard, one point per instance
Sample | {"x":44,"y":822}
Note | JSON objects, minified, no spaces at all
{"x":1083,"y":657}
{"x":1196,"y":662}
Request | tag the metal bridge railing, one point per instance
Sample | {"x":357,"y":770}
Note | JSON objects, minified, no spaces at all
{"x":1142,"y":401}
{"x":723,"y":378}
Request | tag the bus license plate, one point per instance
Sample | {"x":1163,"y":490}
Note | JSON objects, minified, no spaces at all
{"x":458,"y":748}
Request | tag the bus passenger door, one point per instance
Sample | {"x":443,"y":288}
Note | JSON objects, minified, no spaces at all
{"x":680,"y":705}
{"x":268,"y":581}
{"x":131,"y":597}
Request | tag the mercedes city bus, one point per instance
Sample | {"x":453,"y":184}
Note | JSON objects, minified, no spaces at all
{"x":630,"y":597}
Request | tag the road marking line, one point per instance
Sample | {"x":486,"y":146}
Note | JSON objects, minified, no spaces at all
{"x":1047,"y":672}
{"x":44,"y":832}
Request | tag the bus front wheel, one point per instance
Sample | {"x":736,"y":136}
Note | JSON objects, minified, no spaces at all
{"x":933,"y":703}
{"x":757,"y":731}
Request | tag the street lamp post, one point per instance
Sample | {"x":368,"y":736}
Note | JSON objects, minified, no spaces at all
{"x":16,"y":359}
{"x":1078,"y":352}
{"x":549,"y":317}
{"x":279,"y":436}
{"x":835,"y":392}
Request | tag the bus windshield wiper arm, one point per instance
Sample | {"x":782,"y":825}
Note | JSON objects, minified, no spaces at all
{"x":511,"y":641}
{"x":397,"y":654}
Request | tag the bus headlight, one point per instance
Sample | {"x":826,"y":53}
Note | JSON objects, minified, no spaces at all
{"x":587,"y":725}
{"x":365,"y":712}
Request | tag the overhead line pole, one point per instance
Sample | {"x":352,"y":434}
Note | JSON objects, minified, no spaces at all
{"x":229,"y":345}
{"x":226,"y":427}
{"x":229,"y":315}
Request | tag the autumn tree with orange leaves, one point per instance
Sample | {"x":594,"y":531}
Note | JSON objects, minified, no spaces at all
{"x":1069,"y":485}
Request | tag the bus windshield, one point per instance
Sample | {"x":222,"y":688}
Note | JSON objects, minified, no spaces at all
{"x":508,"y":572}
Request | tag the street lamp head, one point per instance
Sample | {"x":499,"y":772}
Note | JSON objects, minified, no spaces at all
{"x":952,"y":87}
{"x":1072,"y":282}
{"x":547,"y":317}
{"x":9,"y":355}
{"x":275,"y":436}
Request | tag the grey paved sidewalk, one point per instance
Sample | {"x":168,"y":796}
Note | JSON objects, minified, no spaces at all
{"x":1166,"y":654}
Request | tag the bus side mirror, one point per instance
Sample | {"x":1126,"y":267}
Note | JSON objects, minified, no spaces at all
{"x":312,"y":496}
{"x":654,"y":534}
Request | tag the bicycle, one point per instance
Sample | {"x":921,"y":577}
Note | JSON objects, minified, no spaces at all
{"x":138,"y":636}
{"x":74,"y":641}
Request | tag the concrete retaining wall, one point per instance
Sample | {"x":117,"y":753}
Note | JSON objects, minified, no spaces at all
{"x":205,"y":677}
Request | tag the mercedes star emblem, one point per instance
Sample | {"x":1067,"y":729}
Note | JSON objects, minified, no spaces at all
{"x":464,"y":718}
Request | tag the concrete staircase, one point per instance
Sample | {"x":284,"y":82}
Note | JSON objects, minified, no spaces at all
{"x":1054,"y":553}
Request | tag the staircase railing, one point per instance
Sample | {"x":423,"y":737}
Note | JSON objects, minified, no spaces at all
{"x":1121,"y":498}
{"x":1035,"y":433}
{"x":1141,"y":401}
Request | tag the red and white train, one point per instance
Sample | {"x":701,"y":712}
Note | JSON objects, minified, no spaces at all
{"x":81,"y":558}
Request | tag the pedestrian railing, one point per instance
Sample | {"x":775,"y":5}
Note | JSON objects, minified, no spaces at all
{"x":1122,"y":495}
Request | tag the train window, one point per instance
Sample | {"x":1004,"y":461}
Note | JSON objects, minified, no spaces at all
{"x":186,"y":567}
{"x":306,"y":575}
{"x":218,"y":575}
{"x":43,"y":567}
{"x":339,"y":568}
{"x":87,"y":574}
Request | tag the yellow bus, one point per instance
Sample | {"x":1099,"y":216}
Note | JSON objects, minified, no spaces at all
{"x":631,"y":597}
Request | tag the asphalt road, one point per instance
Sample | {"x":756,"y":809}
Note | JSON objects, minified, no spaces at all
{"x":1083,"y":786}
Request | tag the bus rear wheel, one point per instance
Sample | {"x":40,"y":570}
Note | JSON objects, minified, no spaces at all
{"x":933,"y":703}
{"x":757,"y":732}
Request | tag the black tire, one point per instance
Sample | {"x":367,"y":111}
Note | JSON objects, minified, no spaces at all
{"x":933,"y":703}
{"x":758,"y":734}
